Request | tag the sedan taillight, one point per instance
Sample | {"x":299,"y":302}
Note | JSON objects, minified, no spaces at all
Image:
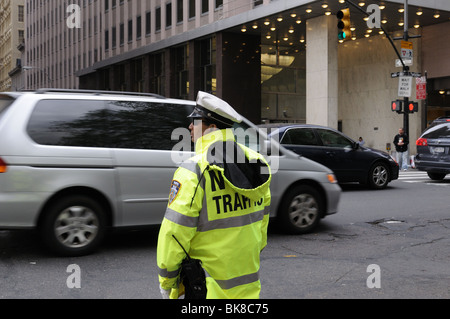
{"x":422,"y":142}
{"x":3,"y":166}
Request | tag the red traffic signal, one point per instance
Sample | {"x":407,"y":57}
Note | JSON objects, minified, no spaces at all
{"x":413,"y":107}
{"x":396,"y":106}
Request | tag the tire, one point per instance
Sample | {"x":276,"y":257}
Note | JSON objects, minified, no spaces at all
{"x":436,"y":176}
{"x":301,"y":210}
{"x":73,"y":226}
{"x":379,"y":176}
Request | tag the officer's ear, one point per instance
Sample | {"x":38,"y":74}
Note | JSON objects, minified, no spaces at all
{"x":210,"y":128}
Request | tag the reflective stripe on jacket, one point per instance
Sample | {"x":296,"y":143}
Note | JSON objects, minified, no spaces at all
{"x":219,"y":211}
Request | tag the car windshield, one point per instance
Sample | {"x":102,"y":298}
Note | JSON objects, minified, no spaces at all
{"x":438,"y":131}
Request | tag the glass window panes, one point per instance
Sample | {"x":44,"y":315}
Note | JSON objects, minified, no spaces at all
{"x":333,"y":139}
{"x":69,"y":123}
{"x":303,"y":136}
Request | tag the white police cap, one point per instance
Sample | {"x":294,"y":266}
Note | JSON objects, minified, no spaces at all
{"x":210,"y":107}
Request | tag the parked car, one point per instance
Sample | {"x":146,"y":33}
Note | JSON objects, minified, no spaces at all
{"x":74,"y":163}
{"x":349,"y":161}
{"x":433,"y":151}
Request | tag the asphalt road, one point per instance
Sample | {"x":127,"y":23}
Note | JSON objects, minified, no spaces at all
{"x":384,"y":244}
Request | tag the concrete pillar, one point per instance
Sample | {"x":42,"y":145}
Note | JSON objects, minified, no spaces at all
{"x":322,"y":71}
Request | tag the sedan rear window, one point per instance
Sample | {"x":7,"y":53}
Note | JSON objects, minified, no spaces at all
{"x":438,"y":131}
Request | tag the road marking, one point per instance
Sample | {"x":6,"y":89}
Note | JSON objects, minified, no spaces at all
{"x":420,"y":177}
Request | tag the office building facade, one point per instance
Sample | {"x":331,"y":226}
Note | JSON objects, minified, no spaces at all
{"x":12,"y":33}
{"x":274,"y":60}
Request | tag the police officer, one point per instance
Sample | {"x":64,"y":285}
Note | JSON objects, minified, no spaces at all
{"x":218,"y":209}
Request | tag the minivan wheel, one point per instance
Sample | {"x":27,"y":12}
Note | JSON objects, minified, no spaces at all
{"x":379,"y":176}
{"x":436,"y":176}
{"x":301,"y":210}
{"x":73,"y":226}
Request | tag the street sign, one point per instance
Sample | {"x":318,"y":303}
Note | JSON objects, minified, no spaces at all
{"x":407,"y":53}
{"x":421,"y":88}
{"x":413,"y":74}
{"x":407,"y":45}
{"x":405,"y":86}
{"x":407,"y":61}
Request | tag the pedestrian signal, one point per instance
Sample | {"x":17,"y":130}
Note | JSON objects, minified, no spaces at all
{"x":396,"y":106}
{"x":344,"y":24}
{"x":413,"y":107}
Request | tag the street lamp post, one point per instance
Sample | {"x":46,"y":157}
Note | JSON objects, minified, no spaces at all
{"x":26,"y":68}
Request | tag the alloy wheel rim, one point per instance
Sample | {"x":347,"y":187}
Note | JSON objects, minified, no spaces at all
{"x":76,"y":226}
{"x":379,"y":176}
{"x":303,"y":210}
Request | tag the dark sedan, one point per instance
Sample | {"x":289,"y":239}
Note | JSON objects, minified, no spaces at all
{"x":433,"y":151}
{"x":349,"y":161}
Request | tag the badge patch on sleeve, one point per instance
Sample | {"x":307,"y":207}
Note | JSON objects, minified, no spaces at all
{"x":174,"y":189}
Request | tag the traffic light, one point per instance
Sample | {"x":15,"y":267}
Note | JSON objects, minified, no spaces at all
{"x":413,"y":107}
{"x":344,"y":24}
{"x":396,"y":106}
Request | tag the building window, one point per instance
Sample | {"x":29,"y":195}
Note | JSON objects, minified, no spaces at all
{"x":179,"y":11}
{"x":208,"y":65}
{"x":106,"y":40}
{"x":191,"y":9}
{"x":182,"y":71}
{"x":158,"y":19}
{"x":205,"y":6}
{"x":130,"y":30}
{"x":219,"y":3}
{"x":157,"y":77}
{"x":114,"y":39}
{"x":21,"y":14}
{"x":168,"y":14}
{"x":21,"y":36}
{"x":122,"y":34}
{"x":138,"y":27}
{"x":148,"y":25}
{"x":283,"y":84}
{"x":137,"y":75}
{"x":257,"y":3}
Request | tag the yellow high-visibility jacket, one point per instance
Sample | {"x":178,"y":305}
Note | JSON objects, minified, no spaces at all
{"x":219,"y":211}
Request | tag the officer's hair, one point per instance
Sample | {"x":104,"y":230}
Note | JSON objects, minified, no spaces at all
{"x":220,"y":125}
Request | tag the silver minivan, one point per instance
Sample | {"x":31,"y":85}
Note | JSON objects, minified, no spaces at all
{"x":76,"y":163}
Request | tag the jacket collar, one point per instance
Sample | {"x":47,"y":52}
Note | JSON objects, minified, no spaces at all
{"x":204,"y":142}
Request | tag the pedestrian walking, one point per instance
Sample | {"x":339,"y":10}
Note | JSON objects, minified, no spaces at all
{"x":218,"y":209}
{"x":401,"y":142}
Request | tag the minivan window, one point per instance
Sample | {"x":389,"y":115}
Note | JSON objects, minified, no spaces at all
{"x":67,"y":122}
{"x":146,"y":125}
{"x":4,"y":103}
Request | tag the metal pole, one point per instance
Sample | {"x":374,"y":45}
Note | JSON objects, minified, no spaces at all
{"x":405,"y":70}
